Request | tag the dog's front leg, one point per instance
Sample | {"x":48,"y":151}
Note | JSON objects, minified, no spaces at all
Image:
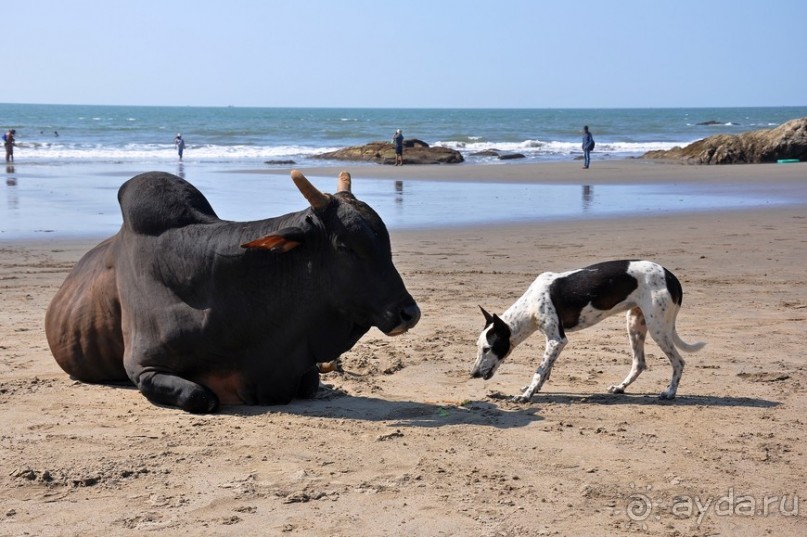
{"x":551,"y":352}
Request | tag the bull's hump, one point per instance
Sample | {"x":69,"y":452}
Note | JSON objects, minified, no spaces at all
{"x":154,"y":202}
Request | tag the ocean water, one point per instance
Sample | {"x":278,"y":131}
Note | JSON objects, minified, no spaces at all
{"x":53,"y":134}
{"x":71,"y":160}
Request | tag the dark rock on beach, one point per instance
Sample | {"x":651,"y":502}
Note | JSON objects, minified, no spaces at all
{"x":486,"y":153}
{"x":415,"y":152}
{"x":498,"y":154}
{"x":511,"y":156}
{"x":279,"y":162}
{"x":414,"y":142}
{"x":787,"y":141}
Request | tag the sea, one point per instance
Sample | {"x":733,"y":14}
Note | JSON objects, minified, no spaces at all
{"x":70,"y":161}
{"x":50,"y":134}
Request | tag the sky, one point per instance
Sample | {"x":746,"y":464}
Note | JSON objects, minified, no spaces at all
{"x":406,"y":54}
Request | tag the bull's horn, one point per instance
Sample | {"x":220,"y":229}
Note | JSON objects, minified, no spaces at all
{"x":317,"y":199}
{"x":344,"y":182}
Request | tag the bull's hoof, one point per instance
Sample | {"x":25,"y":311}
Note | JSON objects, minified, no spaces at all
{"x":521,"y":399}
{"x":616,"y":389}
{"x":666,"y":396}
{"x":201,"y":403}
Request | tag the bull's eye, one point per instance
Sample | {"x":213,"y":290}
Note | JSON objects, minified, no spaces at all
{"x":354,"y":249}
{"x":485,"y":349}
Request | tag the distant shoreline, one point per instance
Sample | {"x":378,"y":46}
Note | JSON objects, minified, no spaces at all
{"x":616,"y":171}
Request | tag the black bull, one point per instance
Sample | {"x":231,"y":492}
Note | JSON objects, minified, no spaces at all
{"x":198,"y":311}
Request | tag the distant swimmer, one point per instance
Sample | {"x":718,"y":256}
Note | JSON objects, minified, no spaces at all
{"x":180,"y":143}
{"x":8,"y":142}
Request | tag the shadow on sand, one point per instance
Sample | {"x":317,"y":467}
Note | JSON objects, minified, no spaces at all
{"x":496,"y":411}
{"x":336,"y":404}
{"x":644,"y":400}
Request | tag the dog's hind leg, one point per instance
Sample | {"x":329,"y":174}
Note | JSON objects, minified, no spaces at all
{"x":662,"y":334}
{"x":554,"y":344}
{"x":637,"y":333}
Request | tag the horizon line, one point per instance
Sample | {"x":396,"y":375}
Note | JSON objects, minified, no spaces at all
{"x":698,"y":107}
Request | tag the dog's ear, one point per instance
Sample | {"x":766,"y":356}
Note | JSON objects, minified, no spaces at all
{"x":499,"y":325}
{"x":499,"y":337}
{"x":488,"y":317}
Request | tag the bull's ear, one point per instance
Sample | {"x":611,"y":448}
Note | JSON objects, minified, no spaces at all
{"x":488,"y":316}
{"x":281,"y":241}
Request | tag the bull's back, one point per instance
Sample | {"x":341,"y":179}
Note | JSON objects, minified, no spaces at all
{"x":83,"y":321}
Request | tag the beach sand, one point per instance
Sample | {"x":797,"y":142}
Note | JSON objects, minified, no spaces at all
{"x":405,"y":443}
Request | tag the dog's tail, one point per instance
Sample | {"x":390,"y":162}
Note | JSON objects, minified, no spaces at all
{"x":684,"y":346}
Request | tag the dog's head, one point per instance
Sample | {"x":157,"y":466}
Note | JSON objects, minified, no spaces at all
{"x":493,"y":346}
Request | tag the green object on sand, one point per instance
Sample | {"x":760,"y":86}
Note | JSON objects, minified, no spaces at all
{"x":787,"y":160}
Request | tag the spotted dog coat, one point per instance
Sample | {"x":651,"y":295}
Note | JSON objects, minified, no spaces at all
{"x":569,"y":301}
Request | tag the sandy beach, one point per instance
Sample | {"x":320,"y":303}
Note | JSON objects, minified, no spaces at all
{"x":404,"y":442}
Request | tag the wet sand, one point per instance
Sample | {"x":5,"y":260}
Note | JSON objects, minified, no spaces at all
{"x":79,"y":199}
{"x":628,"y":171}
{"x":405,"y":443}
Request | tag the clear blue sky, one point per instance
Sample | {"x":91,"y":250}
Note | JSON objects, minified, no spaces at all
{"x":406,"y":54}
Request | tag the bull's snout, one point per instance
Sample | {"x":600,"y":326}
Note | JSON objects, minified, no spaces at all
{"x":410,"y":315}
{"x":407,"y":317}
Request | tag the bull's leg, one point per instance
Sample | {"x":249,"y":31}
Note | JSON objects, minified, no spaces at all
{"x":171,"y":390}
{"x":637,"y":333}
{"x":309,"y":384}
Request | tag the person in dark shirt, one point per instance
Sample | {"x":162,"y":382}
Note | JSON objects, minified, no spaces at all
{"x":588,"y":145}
{"x":180,"y":143}
{"x":8,"y":142}
{"x":398,"y":141}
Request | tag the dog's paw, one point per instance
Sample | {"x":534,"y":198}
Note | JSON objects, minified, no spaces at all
{"x":666,"y":396}
{"x":616,"y":389}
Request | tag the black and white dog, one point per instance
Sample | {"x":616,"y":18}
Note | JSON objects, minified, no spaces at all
{"x":570,"y":301}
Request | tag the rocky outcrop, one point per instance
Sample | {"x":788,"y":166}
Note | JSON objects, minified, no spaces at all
{"x":787,"y":141}
{"x":415,"y":152}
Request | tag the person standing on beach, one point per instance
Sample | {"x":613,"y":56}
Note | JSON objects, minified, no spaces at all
{"x":588,"y":145}
{"x":8,"y":142}
{"x":180,"y":143}
{"x":398,"y":141}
